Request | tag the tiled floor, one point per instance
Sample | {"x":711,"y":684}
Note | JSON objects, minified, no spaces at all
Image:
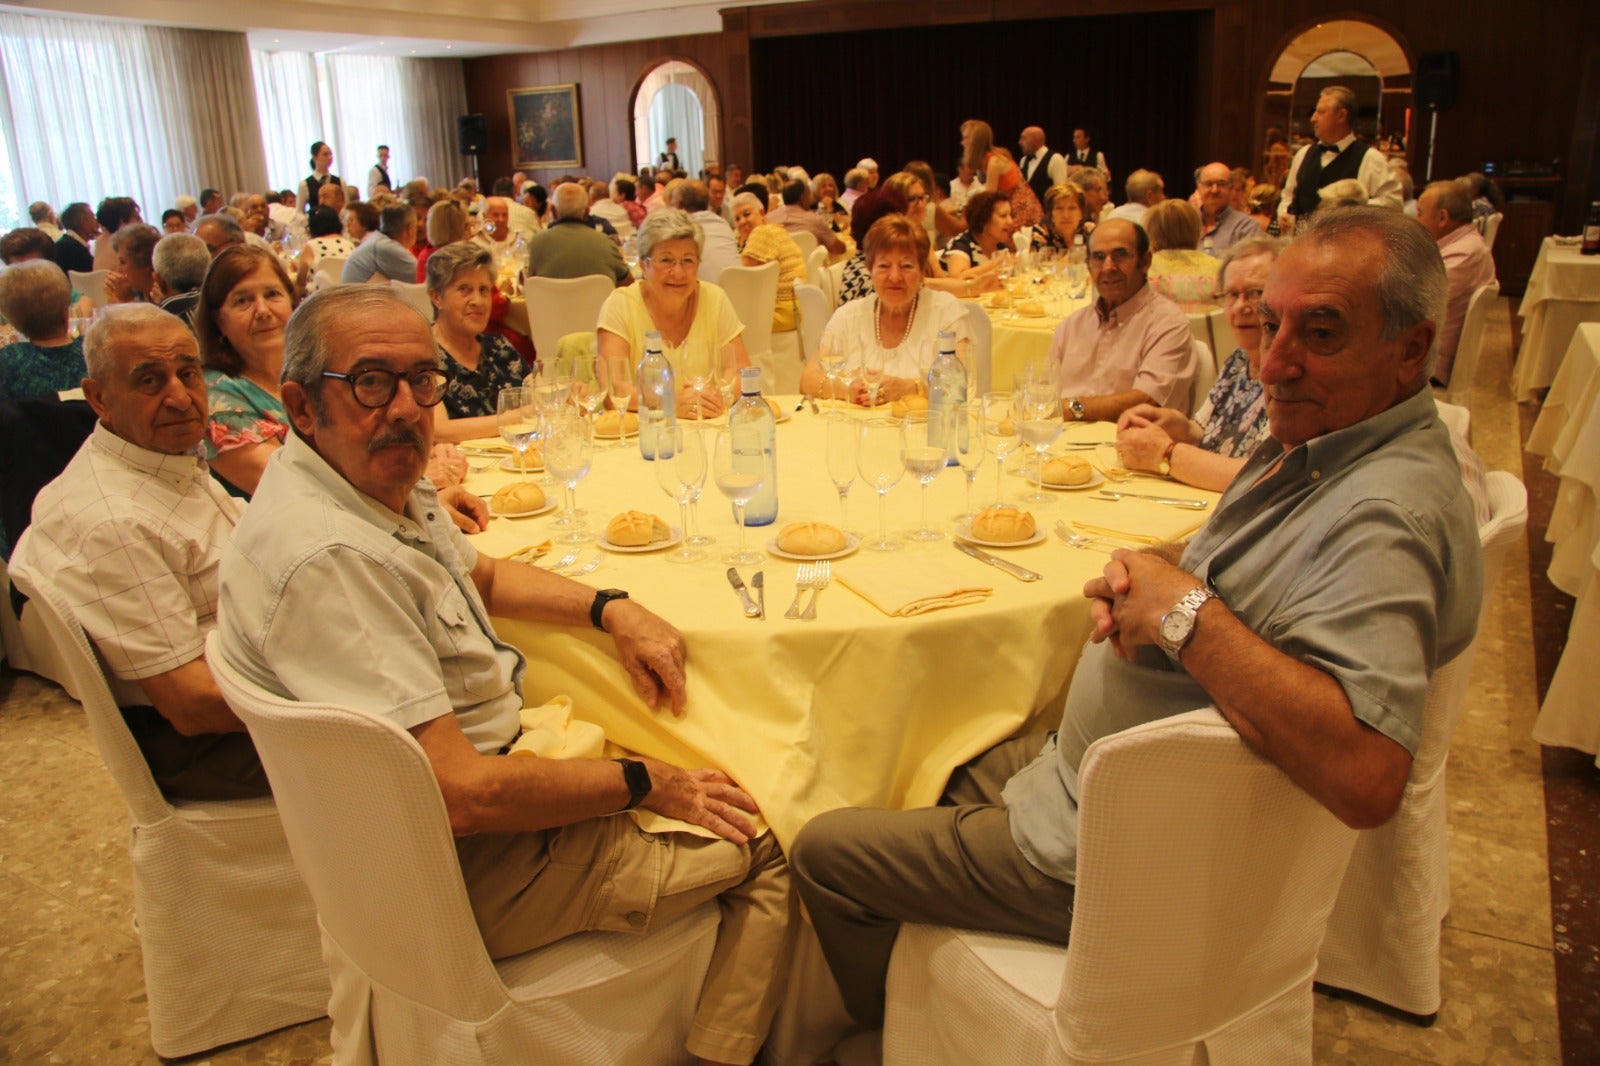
{"x":71,"y":990}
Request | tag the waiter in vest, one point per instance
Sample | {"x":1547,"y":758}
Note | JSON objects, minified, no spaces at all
{"x":1338,"y":154}
{"x":1040,"y":166}
{"x":321,"y":174}
{"x":378,"y":176}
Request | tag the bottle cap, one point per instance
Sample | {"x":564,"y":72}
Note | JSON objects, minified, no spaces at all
{"x":750,"y":380}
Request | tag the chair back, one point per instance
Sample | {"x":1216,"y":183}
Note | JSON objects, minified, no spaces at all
{"x":979,"y":353}
{"x":371,"y":837}
{"x":806,"y":242}
{"x":1200,"y":326}
{"x":817,"y":273}
{"x":1464,"y":371}
{"x":415,"y":294}
{"x":559,"y":306}
{"x":1223,"y":342}
{"x":1205,"y":375}
{"x":836,"y":281}
{"x":1457,"y":419}
{"x":754,"y":293}
{"x":1508,"y":520}
{"x":91,"y":283}
{"x":329,"y":272}
{"x":1491,"y":229}
{"x":1174,"y":935}
{"x":814,"y":314}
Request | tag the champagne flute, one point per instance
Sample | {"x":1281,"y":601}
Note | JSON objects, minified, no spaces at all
{"x":969,"y":451}
{"x":842,"y":460}
{"x":517,"y":422}
{"x":832,"y":362}
{"x":881,"y":466}
{"x":739,"y":470}
{"x":698,"y":369}
{"x":587,"y":393}
{"x":1000,"y":431}
{"x":568,"y":452}
{"x":620,"y":388}
{"x":923,"y":456}
{"x":680,"y":476}
{"x":1038,"y":411}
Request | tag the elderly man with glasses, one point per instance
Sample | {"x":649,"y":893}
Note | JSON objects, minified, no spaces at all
{"x":1221,"y":227}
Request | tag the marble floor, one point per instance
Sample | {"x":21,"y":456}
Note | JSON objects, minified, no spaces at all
{"x":71,"y":990}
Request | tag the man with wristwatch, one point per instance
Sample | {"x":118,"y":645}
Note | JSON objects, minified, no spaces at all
{"x":1338,"y":571}
{"x":351,"y":586}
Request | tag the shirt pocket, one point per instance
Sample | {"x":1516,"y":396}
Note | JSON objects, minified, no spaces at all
{"x":467,"y":659}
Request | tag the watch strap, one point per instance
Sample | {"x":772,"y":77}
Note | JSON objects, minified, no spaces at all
{"x":598,"y":607}
{"x":1189,"y":605}
{"x":637,"y":777}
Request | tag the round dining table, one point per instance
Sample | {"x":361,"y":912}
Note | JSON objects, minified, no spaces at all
{"x":856,"y":707}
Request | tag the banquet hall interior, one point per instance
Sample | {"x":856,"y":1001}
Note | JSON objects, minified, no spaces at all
{"x":1164,"y":85}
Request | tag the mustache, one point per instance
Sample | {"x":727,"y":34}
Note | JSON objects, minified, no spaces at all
{"x":399,"y":435}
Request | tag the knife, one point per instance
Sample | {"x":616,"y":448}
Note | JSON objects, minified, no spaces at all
{"x":1021,"y":573}
{"x":759,"y":583}
{"x":1175,"y":501}
{"x":750,"y":608}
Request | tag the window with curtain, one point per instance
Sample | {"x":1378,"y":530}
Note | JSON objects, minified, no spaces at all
{"x":676,"y":100}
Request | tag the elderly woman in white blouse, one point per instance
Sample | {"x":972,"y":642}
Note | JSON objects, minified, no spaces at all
{"x":902,"y":319}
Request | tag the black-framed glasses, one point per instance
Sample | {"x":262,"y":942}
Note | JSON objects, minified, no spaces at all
{"x":375,"y":387}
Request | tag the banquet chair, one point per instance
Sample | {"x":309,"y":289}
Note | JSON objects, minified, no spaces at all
{"x":806,"y":242}
{"x":1464,"y":371}
{"x":91,"y":283}
{"x":1205,"y":375}
{"x":559,"y":306}
{"x":814,"y":314}
{"x":416,"y":295}
{"x":1204,"y":882}
{"x":1223,"y":342}
{"x":412,"y":980}
{"x":1457,"y":419}
{"x":817,"y":274}
{"x":329,"y":272}
{"x":1383,"y":935}
{"x":226,"y":928}
{"x":979,"y":336}
{"x":1491,"y":229}
{"x":754,"y":294}
{"x":836,"y":281}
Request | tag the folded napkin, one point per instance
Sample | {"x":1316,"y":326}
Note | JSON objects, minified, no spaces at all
{"x":902,"y":587}
{"x":531,"y":552}
{"x":486,"y":444}
{"x":1116,"y":534}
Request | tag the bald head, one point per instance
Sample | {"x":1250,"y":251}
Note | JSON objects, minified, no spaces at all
{"x":1031,"y":140}
{"x":1216,"y":188}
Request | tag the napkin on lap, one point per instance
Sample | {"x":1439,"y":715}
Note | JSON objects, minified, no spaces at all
{"x":904,"y":586}
{"x":550,"y":732}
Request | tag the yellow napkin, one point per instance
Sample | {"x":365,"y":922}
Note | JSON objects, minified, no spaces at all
{"x":487,"y":444}
{"x":531,"y":552}
{"x":902,"y":587}
{"x":1116,"y":534}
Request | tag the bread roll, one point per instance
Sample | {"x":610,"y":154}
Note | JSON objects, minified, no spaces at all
{"x":616,"y":423}
{"x":635,"y":529}
{"x":909,"y":405}
{"x":1031,"y":308}
{"x":518,"y":498}
{"x":1003,"y":525}
{"x":777,"y":412}
{"x":1067,"y":470}
{"x":811,"y":538}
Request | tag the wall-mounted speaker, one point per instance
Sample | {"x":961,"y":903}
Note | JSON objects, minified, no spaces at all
{"x":472,"y":132}
{"x":1438,"y":80}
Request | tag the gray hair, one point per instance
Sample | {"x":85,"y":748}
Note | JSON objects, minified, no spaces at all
{"x":181,"y":261}
{"x":1342,"y":97}
{"x":394,"y":219}
{"x":232,"y":232}
{"x":1249,"y":248}
{"x":116,"y":323}
{"x":450,"y":261}
{"x":136,"y":242}
{"x":750,"y":198}
{"x":1454,"y":197}
{"x":1090,"y":178}
{"x":35,"y":297}
{"x":306,"y":351}
{"x":1346,"y":192}
{"x":570,"y":199}
{"x":668,"y":225}
{"x":1140,"y":184}
{"x":1412,"y":286}
{"x":854,"y":177}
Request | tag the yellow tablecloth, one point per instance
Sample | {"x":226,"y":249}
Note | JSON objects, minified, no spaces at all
{"x":1017,"y":340}
{"x":1563,"y":292}
{"x":855,"y":708}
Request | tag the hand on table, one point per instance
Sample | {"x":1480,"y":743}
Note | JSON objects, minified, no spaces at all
{"x":468,"y":512}
{"x":1140,"y":447}
{"x":1130,"y":597}
{"x":1175,"y":423}
{"x":707,"y":401}
{"x":652,"y":652}
{"x":446,"y":466}
{"x":707,"y":798}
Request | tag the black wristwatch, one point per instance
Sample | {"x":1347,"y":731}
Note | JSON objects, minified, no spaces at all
{"x":597,"y":608}
{"x":637,"y":777}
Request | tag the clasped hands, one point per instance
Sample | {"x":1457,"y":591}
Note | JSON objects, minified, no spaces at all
{"x":1130,"y":597}
{"x":1145,"y":432}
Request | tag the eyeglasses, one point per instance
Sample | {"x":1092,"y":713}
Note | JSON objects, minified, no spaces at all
{"x":1119,"y":256}
{"x":1251,"y":297}
{"x":376,"y":388}
{"x":687,"y":262}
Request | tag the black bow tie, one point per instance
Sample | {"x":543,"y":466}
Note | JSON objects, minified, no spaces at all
{"x":1334,"y":148}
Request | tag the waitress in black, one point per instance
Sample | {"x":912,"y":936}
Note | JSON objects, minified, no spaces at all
{"x":321,"y":174}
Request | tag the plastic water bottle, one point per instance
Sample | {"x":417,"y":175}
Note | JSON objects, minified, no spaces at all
{"x":657,"y":400}
{"x":947,"y":399}
{"x":752,"y":412}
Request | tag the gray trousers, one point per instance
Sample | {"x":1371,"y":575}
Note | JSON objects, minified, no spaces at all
{"x":861,"y":873}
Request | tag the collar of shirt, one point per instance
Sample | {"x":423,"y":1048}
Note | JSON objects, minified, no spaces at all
{"x":1461,"y":234}
{"x":1345,"y":142}
{"x":179,"y":471}
{"x":1331,"y":453}
{"x":1111,"y":318}
{"x":75,"y":235}
{"x":422,"y":506}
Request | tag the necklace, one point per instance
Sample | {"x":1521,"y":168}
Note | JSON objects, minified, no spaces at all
{"x":877,"y":330}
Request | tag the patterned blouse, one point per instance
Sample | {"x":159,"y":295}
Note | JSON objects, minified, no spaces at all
{"x":475,"y":393}
{"x":856,"y":282}
{"x":1186,"y":277}
{"x":1235,"y":411}
{"x":242,"y":414}
{"x":967,"y":245}
{"x":27,"y":370}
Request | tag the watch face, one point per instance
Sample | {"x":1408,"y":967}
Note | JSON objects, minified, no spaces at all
{"x":1175,"y":627}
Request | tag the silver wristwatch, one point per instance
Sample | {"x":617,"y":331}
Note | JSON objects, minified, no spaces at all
{"x":1075,"y":408}
{"x":1177,"y":625}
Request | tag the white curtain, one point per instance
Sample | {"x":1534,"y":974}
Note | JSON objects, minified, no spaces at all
{"x":676,"y":100}
{"x":94,"y":109}
{"x":291,"y":115}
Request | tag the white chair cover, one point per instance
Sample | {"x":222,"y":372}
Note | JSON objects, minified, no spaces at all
{"x":1491,"y":229}
{"x":1205,"y":375}
{"x":415,"y":294}
{"x":559,"y":306}
{"x":227,"y":929}
{"x":1464,"y":371}
{"x":836,"y":281}
{"x":1458,"y":419}
{"x":979,"y":337}
{"x":1223,"y":342}
{"x":815,"y":310}
{"x":329,"y":272}
{"x":1383,"y":935}
{"x":806,"y":242}
{"x":412,"y":980}
{"x":1205,"y":877}
{"x":817,"y":274}
{"x":754,"y":293}
{"x":91,"y":283}
{"x":26,"y":644}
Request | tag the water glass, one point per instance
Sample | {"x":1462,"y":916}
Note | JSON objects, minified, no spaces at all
{"x":969,"y":451}
{"x":881,"y":465}
{"x":923,"y":452}
{"x":1000,"y":432}
{"x":738,"y":468}
{"x":681,"y":476}
{"x":518,"y":423}
{"x":1037,"y":410}
{"x":841,"y":454}
{"x":568,"y":453}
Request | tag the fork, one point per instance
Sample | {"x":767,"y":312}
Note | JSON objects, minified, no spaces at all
{"x":587,"y":568}
{"x":565,"y":561}
{"x":802,"y":581}
{"x":1083,"y":540}
{"x":819,"y":581}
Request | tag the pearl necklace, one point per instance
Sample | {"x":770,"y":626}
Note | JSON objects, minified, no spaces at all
{"x":877,"y":330}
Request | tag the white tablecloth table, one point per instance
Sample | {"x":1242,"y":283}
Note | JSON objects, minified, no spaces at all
{"x":1563,"y":292}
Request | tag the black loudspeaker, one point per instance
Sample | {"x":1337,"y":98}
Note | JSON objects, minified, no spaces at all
{"x":472,"y":132}
{"x":1438,"y":80}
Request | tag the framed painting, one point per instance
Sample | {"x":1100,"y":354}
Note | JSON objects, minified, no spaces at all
{"x":546,"y":129}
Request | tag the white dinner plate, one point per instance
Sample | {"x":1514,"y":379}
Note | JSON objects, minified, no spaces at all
{"x":550,"y":503}
{"x":851,"y":543}
{"x":964,"y":531}
{"x":509,"y":464}
{"x":782,"y":415}
{"x":629,"y":435}
{"x":1095,"y":478}
{"x":654,"y":546}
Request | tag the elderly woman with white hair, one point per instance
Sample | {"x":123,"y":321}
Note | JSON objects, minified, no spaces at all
{"x":479,"y":363}
{"x":762,"y":242}
{"x":35,"y":297}
{"x":672,"y":300}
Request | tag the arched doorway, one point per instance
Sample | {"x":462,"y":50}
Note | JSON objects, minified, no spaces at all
{"x":677,"y":99}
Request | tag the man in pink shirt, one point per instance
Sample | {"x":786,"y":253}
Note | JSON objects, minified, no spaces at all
{"x":1445,"y":210}
{"x":1132,"y":345}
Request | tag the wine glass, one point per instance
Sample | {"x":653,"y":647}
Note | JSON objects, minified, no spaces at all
{"x":697,"y":368}
{"x":1000,"y":431}
{"x":518,"y":423}
{"x":620,"y":387}
{"x":842,"y":459}
{"x":879,"y":461}
{"x":585,"y":389}
{"x":832,"y":361}
{"x":568,"y":451}
{"x":739,"y":469}
{"x":680,"y":476}
{"x":969,"y":451}
{"x":872,"y":367}
{"x":1037,"y":409}
{"x":923,"y":452}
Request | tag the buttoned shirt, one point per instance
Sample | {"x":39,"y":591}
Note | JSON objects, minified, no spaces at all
{"x":1359,"y":556}
{"x":1058,"y":165}
{"x":1143,"y":343}
{"x":1230,"y":228}
{"x":719,"y":248}
{"x":1467,"y":264}
{"x":133,"y":538}
{"x":1383,"y":188}
{"x":331,"y":597}
{"x":382,"y":256}
{"x":797,"y":219}
{"x":615,"y":214}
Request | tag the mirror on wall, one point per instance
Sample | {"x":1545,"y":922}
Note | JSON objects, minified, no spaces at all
{"x":676,"y":99}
